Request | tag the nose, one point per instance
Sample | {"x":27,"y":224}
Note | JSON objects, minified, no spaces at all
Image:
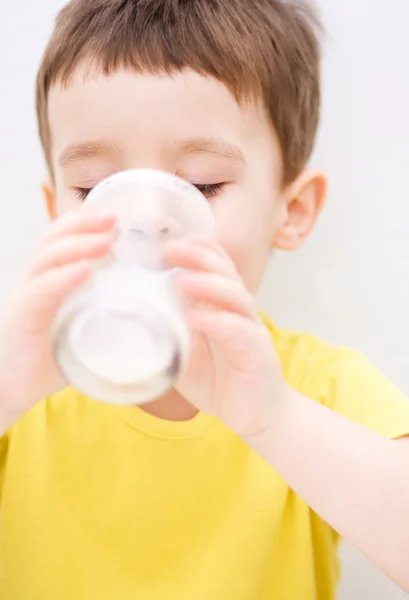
{"x":158,"y":229}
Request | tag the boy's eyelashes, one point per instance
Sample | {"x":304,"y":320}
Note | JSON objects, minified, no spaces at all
{"x":209,"y":190}
{"x":82,"y":193}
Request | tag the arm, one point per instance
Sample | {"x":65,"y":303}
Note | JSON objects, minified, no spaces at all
{"x":63,"y":262}
{"x":356,"y":480}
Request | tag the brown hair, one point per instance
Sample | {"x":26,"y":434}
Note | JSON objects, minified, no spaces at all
{"x":266,"y":49}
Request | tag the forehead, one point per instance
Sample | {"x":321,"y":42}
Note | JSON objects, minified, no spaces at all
{"x":146,"y":112}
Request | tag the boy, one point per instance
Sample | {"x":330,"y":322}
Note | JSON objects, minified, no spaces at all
{"x":237,"y":484}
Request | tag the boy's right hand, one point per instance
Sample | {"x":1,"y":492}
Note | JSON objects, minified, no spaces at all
{"x":63,"y":261}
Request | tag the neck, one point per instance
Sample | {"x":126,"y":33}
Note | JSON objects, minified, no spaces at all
{"x":171,"y":407}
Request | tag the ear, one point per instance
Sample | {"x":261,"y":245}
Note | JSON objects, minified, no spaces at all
{"x":303,"y":202}
{"x":49,"y":196}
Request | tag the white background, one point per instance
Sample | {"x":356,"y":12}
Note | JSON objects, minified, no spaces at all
{"x":350,"y":284}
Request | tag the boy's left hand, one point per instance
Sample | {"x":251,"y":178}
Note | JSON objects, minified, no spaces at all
{"x":234,"y":373}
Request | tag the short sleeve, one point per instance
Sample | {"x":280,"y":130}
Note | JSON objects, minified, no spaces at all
{"x":357,"y":390}
{"x":343,"y":380}
{"x":3,"y":458}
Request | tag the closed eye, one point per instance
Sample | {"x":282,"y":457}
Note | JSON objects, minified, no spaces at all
{"x":82,"y":193}
{"x":210,"y":190}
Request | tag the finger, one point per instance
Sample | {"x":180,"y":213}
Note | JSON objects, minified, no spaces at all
{"x":70,"y":249}
{"x":221,"y":292}
{"x":42,"y":297}
{"x":198,"y":257}
{"x":80,"y":221}
{"x":235,"y":335}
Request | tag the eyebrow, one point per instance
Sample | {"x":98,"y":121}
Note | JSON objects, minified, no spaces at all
{"x":98,"y":148}
{"x":213,"y":146}
{"x":93,"y":149}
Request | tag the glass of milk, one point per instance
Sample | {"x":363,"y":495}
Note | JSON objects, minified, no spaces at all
{"x":123,"y":338}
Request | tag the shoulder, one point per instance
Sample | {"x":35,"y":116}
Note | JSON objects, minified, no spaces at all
{"x":343,"y":380}
{"x":308,"y":362}
{"x":58,"y":413}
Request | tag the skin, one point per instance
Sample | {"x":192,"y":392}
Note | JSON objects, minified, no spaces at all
{"x":189,"y":139}
{"x":122,"y":122}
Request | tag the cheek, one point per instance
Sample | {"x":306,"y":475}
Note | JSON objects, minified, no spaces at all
{"x":66,"y":201}
{"x":249,"y":250}
{"x":245,"y":230}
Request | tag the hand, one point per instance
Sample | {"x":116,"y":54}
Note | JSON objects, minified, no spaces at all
{"x":62,"y":263}
{"x":234,"y":372}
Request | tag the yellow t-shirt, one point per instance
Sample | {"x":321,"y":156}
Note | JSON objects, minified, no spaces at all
{"x":100,"y":502}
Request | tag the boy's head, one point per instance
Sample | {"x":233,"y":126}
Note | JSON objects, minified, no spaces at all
{"x":224,"y":93}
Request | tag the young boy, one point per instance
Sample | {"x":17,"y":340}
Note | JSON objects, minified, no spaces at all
{"x":237,"y":484}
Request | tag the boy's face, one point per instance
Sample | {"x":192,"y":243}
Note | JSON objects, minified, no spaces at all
{"x":192,"y":126}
